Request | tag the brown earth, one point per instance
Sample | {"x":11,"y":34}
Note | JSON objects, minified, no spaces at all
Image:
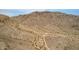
{"x":39,"y":31}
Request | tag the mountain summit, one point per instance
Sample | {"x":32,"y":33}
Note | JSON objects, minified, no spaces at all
{"x":39,"y":30}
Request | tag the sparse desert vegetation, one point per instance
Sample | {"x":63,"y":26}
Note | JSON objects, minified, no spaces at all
{"x":39,"y":31}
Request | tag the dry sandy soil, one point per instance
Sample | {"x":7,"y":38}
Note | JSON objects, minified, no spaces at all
{"x":39,"y":31}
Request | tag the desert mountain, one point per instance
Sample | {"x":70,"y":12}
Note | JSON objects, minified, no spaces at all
{"x":39,"y":30}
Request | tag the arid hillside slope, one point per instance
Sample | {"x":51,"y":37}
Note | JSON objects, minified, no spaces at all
{"x":39,"y":30}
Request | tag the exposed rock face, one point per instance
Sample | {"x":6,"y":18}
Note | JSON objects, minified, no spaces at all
{"x":39,"y":30}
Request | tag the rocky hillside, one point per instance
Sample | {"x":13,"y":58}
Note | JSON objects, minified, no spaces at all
{"x":39,"y":30}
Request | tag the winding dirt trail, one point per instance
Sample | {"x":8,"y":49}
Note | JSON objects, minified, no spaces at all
{"x":39,"y":41}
